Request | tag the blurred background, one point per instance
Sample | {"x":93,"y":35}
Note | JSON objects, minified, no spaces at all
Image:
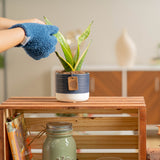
{"x":23,"y":76}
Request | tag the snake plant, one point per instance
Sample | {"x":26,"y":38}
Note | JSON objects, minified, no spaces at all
{"x":71,"y":63}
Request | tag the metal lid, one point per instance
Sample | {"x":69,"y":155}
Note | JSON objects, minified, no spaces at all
{"x":59,"y":126}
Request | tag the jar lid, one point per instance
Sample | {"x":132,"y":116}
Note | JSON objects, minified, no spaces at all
{"x":59,"y":126}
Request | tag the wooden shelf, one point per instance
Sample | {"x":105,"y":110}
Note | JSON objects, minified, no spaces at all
{"x":135,"y":121}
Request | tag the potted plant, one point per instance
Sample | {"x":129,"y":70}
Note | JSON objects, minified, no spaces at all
{"x":72,"y":84}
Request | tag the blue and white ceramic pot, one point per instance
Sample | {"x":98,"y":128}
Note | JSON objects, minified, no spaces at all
{"x":72,"y":87}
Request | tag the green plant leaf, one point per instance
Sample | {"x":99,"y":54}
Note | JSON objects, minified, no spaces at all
{"x":81,"y":59}
{"x":76,"y":56}
{"x":47,"y":20}
{"x":64,"y":45}
{"x":85,"y":34}
{"x":67,"y":66}
{"x":81,"y":38}
{"x":1,"y":61}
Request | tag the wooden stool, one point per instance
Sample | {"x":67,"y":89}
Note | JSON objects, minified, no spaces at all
{"x":107,"y":114}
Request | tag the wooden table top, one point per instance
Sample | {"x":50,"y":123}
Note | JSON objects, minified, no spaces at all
{"x":92,"y":103}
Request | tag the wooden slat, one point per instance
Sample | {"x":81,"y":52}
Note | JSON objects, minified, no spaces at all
{"x":91,"y":99}
{"x":50,"y":103}
{"x":92,"y":103}
{"x":1,"y":135}
{"x":95,"y":156}
{"x":75,"y":106}
{"x":87,"y":123}
{"x":97,"y":142}
{"x":107,"y":141}
{"x":142,"y":133}
{"x":91,"y":111}
{"x":5,"y":153}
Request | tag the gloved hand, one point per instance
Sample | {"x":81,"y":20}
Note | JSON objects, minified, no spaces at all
{"x":39,"y":41}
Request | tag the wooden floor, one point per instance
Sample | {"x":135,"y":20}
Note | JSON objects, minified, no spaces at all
{"x":153,"y":139}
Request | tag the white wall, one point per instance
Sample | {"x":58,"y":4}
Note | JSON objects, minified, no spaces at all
{"x":141,"y":18}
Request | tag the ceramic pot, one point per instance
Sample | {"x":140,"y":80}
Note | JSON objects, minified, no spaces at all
{"x":72,"y":87}
{"x":125,"y":50}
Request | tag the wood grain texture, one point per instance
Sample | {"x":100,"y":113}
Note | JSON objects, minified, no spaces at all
{"x":97,"y":141}
{"x":135,"y":106}
{"x":75,"y":106}
{"x":4,"y":143}
{"x":105,"y":83}
{"x":142,"y":133}
{"x":1,"y":135}
{"x":101,"y":103}
{"x":94,"y":156}
{"x":87,"y":123}
{"x":92,"y":98}
{"x":143,"y":83}
{"x":90,"y":111}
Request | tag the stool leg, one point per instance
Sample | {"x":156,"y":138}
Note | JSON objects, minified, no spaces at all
{"x":2,"y":134}
{"x":142,"y":133}
{"x":5,"y":153}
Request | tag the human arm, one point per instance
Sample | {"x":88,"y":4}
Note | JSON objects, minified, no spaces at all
{"x":39,"y":41}
{"x":36,"y":38}
{"x":6,"y":23}
{"x":10,"y":38}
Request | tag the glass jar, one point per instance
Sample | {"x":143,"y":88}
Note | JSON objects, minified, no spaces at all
{"x":59,"y":144}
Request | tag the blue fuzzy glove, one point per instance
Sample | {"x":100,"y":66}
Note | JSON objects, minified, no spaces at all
{"x":39,"y":41}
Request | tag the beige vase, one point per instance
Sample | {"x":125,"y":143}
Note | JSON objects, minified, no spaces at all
{"x":125,"y":50}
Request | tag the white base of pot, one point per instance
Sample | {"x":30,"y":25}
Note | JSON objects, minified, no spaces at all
{"x":72,"y":97}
